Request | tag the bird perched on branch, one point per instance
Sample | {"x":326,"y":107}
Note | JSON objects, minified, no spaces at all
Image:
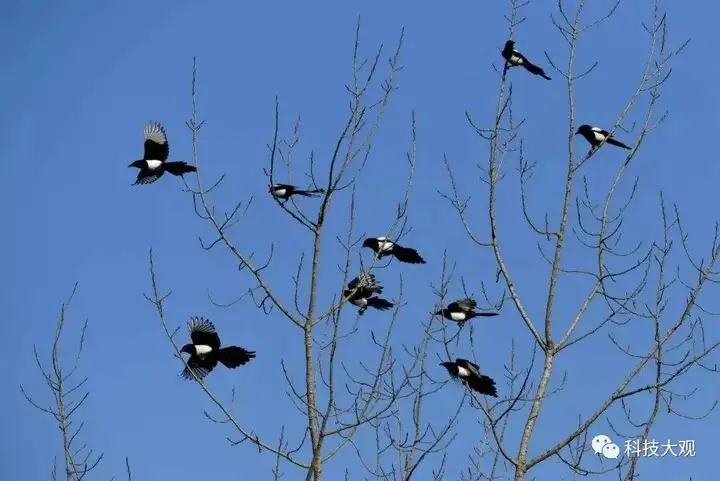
{"x":469,"y":374}
{"x":154,"y":162}
{"x":205,"y":351}
{"x":462,"y":310}
{"x":382,"y":246}
{"x":285,"y":191}
{"x":595,"y":136}
{"x":361,"y":292}
{"x":515,"y":58}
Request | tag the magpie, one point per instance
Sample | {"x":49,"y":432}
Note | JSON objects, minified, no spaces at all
{"x":360,"y":292}
{"x":462,"y":310}
{"x":154,"y":162}
{"x":469,"y":374}
{"x":285,"y":191}
{"x":382,"y":246}
{"x":205,"y":350}
{"x":595,"y":135}
{"x":515,"y":58}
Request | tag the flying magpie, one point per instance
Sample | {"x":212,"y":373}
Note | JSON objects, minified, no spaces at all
{"x":363,"y":297}
{"x":469,"y":374}
{"x":515,"y":58}
{"x":154,"y":162}
{"x":205,"y":350}
{"x":285,"y":191}
{"x":382,"y":246}
{"x":595,"y":135}
{"x":462,"y":310}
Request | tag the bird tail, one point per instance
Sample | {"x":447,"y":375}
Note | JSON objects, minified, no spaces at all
{"x":616,"y":143}
{"x":483,"y":314}
{"x":483,"y":385}
{"x":233,"y":356}
{"x":534,"y":69}
{"x":407,"y":255}
{"x":310,"y":193}
{"x":379,"y":303}
{"x":179,"y":167}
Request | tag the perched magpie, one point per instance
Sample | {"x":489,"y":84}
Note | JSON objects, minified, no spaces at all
{"x":205,"y":351}
{"x":154,"y":162}
{"x":382,"y":246}
{"x":462,"y":310}
{"x":469,"y":374}
{"x":595,"y":135}
{"x":363,"y":298}
{"x":515,"y":58}
{"x":285,"y":191}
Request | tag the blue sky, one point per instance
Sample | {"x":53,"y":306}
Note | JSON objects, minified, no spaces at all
{"x":81,"y":79}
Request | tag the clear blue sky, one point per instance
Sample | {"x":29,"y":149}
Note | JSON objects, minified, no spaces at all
{"x":78,"y":82}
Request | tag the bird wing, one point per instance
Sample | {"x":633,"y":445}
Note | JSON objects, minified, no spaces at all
{"x":362,"y":281}
{"x":201,"y":368}
{"x":144,"y":179}
{"x":603,"y":132}
{"x":470,"y":366}
{"x":464,"y":305}
{"x":156,"y":144}
{"x":202,"y":332}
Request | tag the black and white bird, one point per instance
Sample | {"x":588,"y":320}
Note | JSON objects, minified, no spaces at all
{"x":361,"y":292}
{"x":285,"y":191}
{"x":462,"y":311}
{"x":595,"y":135}
{"x":382,"y":246}
{"x":469,"y":374}
{"x":205,"y":351}
{"x":154,"y":162}
{"x":515,"y":58}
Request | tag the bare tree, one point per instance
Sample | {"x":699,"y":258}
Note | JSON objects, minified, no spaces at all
{"x":378,"y":410}
{"x":68,"y":396}
{"x":336,"y":398}
{"x":653,"y":285}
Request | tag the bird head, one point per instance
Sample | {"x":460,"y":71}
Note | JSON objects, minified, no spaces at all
{"x":438,"y":313}
{"x":368,"y":243}
{"x":582,"y":128}
{"x":448,"y":365}
{"x":510,"y":44}
{"x":189,"y":348}
{"x":272,"y":188}
{"x":137,"y":163}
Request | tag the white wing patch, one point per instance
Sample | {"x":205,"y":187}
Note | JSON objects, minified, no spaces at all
{"x":155,"y":132}
{"x":279,"y":192}
{"x":457,"y":316}
{"x":599,"y":136}
{"x":360,"y":302}
{"x":202,"y":349}
{"x":514,"y":59}
{"x":385,"y":244}
{"x":153,"y":164}
{"x":462,"y":372}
